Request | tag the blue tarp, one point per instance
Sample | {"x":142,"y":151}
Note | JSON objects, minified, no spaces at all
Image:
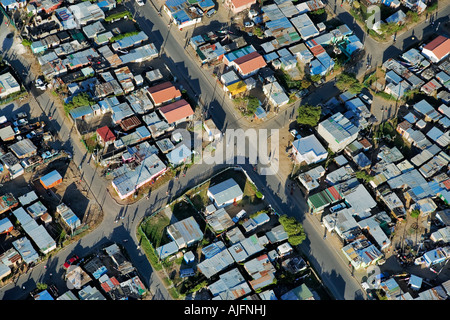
{"x":99,"y":272}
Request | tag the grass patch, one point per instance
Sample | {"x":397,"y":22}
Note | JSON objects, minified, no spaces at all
{"x":154,"y":229}
{"x":386,"y":96}
{"x":149,"y":250}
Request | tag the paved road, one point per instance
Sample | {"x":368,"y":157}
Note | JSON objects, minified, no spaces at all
{"x":326,"y":261}
{"x":108,"y":230}
{"x":377,"y":52}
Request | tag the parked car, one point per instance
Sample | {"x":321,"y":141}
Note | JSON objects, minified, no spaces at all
{"x":30,"y":135}
{"x":140,"y":3}
{"x":71,"y":261}
{"x":20,"y":122}
{"x":211,"y":12}
{"x":302,"y":93}
{"x":20,"y":115}
{"x":365,"y":99}
{"x":40,"y":84}
{"x":46,"y":155}
{"x":295,"y":134}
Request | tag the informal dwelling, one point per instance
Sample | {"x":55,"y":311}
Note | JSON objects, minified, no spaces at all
{"x":225,"y":193}
{"x":309,"y":150}
{"x":51,"y":179}
{"x":163,"y":93}
{"x":185,"y":232}
{"x":237,"y":6}
{"x":177,"y":112}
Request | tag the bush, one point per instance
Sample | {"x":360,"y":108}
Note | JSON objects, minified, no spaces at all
{"x":26,"y":42}
{"x":119,"y":15}
{"x":82,"y":99}
{"x":258,"y":32}
{"x":363,"y":175}
{"x":415,"y":213}
{"x":123,"y":35}
{"x":294,"y":229}
{"x":304,"y":84}
{"x":348,"y":82}
{"x":309,"y":115}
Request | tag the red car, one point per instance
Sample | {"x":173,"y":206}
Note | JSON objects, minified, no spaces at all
{"x":71,"y":261}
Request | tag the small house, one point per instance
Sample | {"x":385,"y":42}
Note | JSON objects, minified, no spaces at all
{"x":105,"y":136}
{"x":225,"y":193}
{"x":51,"y":179}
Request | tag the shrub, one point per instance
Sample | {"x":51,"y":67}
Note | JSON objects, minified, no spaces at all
{"x":26,"y":42}
{"x":309,"y":115}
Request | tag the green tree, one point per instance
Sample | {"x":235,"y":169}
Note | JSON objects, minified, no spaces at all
{"x":415,"y":213}
{"x":26,"y":42}
{"x":309,"y":115}
{"x":294,"y":229}
{"x":41,"y":286}
{"x":304,"y":84}
{"x":348,"y":82}
{"x":363,"y":175}
{"x":258,"y":32}
{"x":81,"y":99}
{"x":316,"y":78}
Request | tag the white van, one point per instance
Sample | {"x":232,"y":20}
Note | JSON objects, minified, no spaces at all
{"x":211,"y":12}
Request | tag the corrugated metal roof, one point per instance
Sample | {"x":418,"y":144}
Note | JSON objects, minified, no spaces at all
{"x":51,"y":178}
{"x":225,"y":191}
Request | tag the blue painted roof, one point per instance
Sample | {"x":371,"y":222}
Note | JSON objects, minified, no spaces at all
{"x":206,"y":4}
{"x":260,"y":113}
{"x":51,"y":177}
{"x":7,"y":2}
{"x":44,"y":295}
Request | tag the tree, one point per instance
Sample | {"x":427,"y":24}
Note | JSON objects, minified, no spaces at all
{"x":81,"y":99}
{"x":41,"y":286}
{"x":304,"y":84}
{"x":316,"y":78}
{"x":294,"y":229}
{"x":348,"y":82}
{"x":26,"y":42}
{"x":258,"y":32}
{"x":363,"y":175}
{"x":309,"y":115}
{"x":415,"y":213}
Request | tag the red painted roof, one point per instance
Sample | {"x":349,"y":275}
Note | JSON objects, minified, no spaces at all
{"x":447,"y":184}
{"x":105,"y":287}
{"x":250,"y":62}
{"x":439,"y":46}
{"x":164,"y":92}
{"x":241,"y":3}
{"x":114,"y":281}
{"x":176,"y":111}
{"x":106,"y":134}
{"x":334,"y":193}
